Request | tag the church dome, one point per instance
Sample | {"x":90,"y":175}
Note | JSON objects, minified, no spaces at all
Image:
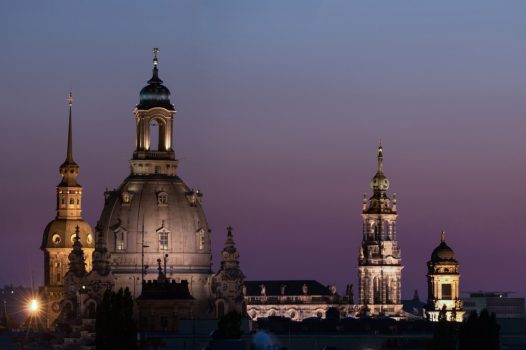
{"x":169,"y":215}
{"x":443,"y":253}
{"x":155,"y":94}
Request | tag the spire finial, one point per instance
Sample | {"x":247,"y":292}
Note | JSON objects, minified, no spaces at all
{"x":380,"y":156}
{"x":443,"y":236}
{"x":155,"y":52}
{"x":69,"y":157}
{"x":229,"y":230}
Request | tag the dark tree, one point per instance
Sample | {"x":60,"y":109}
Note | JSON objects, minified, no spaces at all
{"x":115,"y":327}
{"x":229,"y":326}
{"x":479,"y":332}
{"x":445,"y":334}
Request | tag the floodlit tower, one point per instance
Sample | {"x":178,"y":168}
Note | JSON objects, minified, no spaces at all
{"x":443,"y":284}
{"x":380,"y":264}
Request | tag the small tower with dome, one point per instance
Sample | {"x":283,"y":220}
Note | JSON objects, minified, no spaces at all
{"x":443,"y":284}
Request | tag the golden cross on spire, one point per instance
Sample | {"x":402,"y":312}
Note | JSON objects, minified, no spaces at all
{"x":70,"y":98}
{"x":155,"y":51}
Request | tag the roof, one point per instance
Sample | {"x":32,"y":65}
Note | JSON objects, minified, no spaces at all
{"x":293,"y":287}
{"x":165,"y":290}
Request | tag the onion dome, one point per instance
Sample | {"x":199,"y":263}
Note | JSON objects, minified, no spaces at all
{"x":443,"y":253}
{"x":155,"y":94}
{"x":380,"y":183}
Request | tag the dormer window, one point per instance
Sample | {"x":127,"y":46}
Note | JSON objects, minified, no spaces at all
{"x":162,"y":198}
{"x":126,"y":197}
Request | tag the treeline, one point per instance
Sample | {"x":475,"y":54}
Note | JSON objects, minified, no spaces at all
{"x":477,"y":332}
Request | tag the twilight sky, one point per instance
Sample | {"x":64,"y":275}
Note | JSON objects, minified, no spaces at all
{"x":280,"y":108}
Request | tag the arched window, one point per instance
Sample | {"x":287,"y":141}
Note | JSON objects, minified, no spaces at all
{"x":153,"y":128}
{"x":72,"y":201}
{"x":376,"y":290}
{"x":120,"y":239}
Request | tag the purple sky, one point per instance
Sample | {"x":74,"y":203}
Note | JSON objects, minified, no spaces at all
{"x":280,"y":108}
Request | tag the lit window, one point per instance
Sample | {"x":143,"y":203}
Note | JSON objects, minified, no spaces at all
{"x":163,"y":240}
{"x":120,"y":240}
{"x":162,"y":198}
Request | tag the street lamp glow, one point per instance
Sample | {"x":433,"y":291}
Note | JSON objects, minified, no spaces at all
{"x":34,"y":305}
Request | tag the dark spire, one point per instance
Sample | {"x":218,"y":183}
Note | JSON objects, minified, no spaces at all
{"x":77,"y":263}
{"x":155,"y":75}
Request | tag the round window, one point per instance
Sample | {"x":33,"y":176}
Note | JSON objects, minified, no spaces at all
{"x":56,"y":239}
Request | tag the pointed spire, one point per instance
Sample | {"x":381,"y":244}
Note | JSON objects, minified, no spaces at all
{"x":380,"y":158}
{"x":69,"y":157}
{"x":155,"y":75}
{"x":77,"y":263}
{"x":443,"y":236}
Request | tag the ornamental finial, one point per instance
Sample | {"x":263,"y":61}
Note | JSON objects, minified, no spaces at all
{"x":443,"y":236}
{"x":155,"y":51}
{"x":70,"y":99}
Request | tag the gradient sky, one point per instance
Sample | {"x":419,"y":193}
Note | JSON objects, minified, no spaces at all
{"x":280,"y":108}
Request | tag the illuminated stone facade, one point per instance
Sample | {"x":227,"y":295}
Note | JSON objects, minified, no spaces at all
{"x":59,"y":235}
{"x":296,"y":299}
{"x":380,"y":263}
{"x":153,"y":214}
{"x":443,"y":284}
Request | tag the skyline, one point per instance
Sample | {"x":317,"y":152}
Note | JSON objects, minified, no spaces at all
{"x":285,"y":160}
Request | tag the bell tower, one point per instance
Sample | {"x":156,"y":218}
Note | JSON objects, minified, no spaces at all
{"x":154,"y":117}
{"x":61,"y":234}
{"x":443,"y":278}
{"x":379,"y":263}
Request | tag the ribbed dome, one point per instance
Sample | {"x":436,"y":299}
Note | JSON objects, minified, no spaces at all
{"x":443,"y":253}
{"x":155,"y":94}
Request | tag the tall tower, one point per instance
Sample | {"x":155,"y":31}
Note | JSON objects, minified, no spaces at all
{"x":380,"y":264}
{"x":153,"y":214}
{"x":60,"y":234}
{"x":227,"y":284}
{"x":443,"y":284}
